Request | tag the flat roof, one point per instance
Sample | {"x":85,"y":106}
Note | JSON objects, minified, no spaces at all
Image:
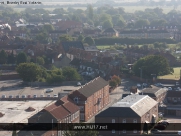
{"x":14,"y":111}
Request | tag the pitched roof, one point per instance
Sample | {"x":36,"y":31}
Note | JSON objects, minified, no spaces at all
{"x":93,"y":86}
{"x":62,"y":108}
{"x":59,"y":113}
{"x":75,"y":44}
{"x":153,"y":92}
{"x":131,"y":106}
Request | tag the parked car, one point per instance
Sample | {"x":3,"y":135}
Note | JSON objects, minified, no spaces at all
{"x":3,"y":96}
{"x":169,"y":89}
{"x":49,"y":90}
{"x":34,"y":96}
{"x":48,"y":95}
{"x":41,"y":95}
{"x":159,"y":84}
{"x":178,"y":89}
{"x":78,"y":84}
{"x":23,"y":96}
{"x":138,"y":85}
{"x":160,"y":127}
{"x":155,"y":131}
{"x":145,"y":84}
{"x":55,"y":95}
{"x":11,"y":96}
{"x":17,"y":96}
{"x":29,"y":96}
{"x":164,"y":122}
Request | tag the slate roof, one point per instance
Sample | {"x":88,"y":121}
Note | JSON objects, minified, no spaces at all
{"x":75,"y":44}
{"x":93,"y":86}
{"x":131,"y":106}
{"x":153,"y":92}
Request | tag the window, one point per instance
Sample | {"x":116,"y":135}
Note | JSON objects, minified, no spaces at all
{"x":134,"y":131}
{"x":113,"y":131}
{"x":113,"y":120}
{"x":81,"y":116}
{"x":124,"y":131}
{"x":81,"y":108}
{"x":135,"y":121}
{"x":124,"y":120}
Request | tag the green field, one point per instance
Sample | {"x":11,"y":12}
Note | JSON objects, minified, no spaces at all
{"x":100,"y":47}
{"x":175,"y":75}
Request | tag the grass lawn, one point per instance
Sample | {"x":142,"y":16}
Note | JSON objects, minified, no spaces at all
{"x":103,"y":46}
{"x":175,"y":75}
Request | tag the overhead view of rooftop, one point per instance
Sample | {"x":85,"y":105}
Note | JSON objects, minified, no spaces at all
{"x":90,"y":68}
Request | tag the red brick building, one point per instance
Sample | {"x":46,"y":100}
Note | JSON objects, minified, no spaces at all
{"x":91,"y":98}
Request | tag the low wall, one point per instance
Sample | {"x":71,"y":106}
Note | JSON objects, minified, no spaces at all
{"x":66,"y":83}
{"x":30,"y":99}
{"x":164,"y":81}
{"x":9,"y":77}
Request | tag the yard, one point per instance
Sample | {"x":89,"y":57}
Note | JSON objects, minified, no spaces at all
{"x":100,"y":47}
{"x":174,"y":76}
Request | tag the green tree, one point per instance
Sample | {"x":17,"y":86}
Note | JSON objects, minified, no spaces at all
{"x":121,"y":23}
{"x":112,"y":83}
{"x":48,"y":27}
{"x":89,"y":40}
{"x":105,"y":17}
{"x":42,"y":37}
{"x":107,"y":24}
{"x":11,"y":58}
{"x":29,"y":71}
{"x":65,"y":37}
{"x":90,"y":12}
{"x":40,"y":61}
{"x":152,"y":64}
{"x":141,"y":23}
{"x":117,"y":79}
{"x":21,"y":58}
{"x":70,"y":74}
{"x":3,"y":57}
{"x":80,"y":38}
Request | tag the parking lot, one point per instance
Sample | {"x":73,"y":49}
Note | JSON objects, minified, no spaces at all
{"x":14,"y":88}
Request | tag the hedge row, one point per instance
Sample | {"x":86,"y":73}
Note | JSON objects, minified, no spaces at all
{"x":112,"y":41}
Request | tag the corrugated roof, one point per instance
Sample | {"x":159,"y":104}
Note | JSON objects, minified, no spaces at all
{"x":93,"y":86}
{"x":60,"y":112}
{"x":131,"y":106}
